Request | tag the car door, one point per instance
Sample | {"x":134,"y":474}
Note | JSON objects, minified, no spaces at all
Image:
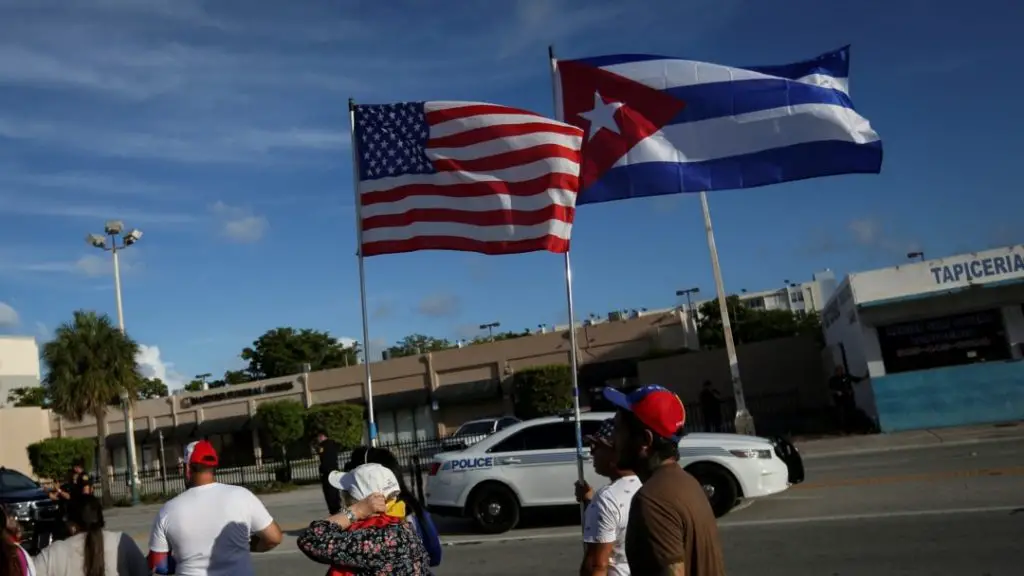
{"x":540,"y":462}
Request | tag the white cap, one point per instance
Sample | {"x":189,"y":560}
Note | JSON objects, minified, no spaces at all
{"x":365,"y":480}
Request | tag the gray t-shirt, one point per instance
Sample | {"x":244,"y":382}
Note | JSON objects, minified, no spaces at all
{"x":121,"y":555}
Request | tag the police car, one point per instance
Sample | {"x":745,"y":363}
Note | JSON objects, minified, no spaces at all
{"x":533,"y":465}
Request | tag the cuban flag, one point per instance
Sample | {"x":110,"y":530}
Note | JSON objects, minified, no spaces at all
{"x":656,"y":125}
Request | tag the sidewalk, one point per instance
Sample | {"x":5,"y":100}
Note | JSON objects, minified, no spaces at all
{"x":848,"y":445}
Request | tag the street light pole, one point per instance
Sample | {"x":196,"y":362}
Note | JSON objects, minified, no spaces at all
{"x":490,"y":329}
{"x":689,"y":292}
{"x":112,"y":230}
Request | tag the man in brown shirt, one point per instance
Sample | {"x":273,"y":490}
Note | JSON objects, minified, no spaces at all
{"x":672,"y":530}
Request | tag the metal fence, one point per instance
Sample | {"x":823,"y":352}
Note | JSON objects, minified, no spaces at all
{"x":776,"y":414}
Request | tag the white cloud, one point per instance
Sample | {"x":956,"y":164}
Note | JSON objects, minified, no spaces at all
{"x":239,"y":224}
{"x":151,"y":365}
{"x":439,"y":305}
{"x":43,"y":333}
{"x":8,"y":316}
{"x":347,"y":342}
{"x":91,"y":265}
{"x":865,"y":230}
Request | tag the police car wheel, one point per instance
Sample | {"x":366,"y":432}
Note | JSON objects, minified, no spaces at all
{"x":719,"y":486}
{"x":494,"y":508}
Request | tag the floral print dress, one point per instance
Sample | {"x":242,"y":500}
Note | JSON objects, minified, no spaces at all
{"x":378,"y":546}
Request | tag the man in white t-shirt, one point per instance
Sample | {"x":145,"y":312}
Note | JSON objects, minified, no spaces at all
{"x":210,"y":529}
{"x":607,"y":512}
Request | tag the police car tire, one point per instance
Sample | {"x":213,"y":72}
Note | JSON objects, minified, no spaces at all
{"x":488,"y":492}
{"x":725,"y":488}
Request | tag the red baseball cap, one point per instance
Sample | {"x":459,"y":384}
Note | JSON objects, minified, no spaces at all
{"x":655,"y":407}
{"x":201,"y":452}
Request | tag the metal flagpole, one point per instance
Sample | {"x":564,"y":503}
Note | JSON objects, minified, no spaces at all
{"x":574,"y":350}
{"x":744,"y":421}
{"x":368,"y":391}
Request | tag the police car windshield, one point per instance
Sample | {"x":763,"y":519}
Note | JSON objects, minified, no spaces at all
{"x":475,"y":428}
{"x":11,"y":480}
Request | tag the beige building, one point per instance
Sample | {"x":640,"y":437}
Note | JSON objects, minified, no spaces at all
{"x":20,"y":427}
{"x":426,"y":396}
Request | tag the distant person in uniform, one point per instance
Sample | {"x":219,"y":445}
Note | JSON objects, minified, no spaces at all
{"x":711,"y":407}
{"x":327,"y":451}
{"x":78,"y":484}
{"x":841,"y":386}
{"x":672,"y":530}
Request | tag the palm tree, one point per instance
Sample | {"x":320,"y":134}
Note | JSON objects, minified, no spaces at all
{"x":90,"y":364}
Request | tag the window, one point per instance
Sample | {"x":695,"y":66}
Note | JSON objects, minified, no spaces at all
{"x":506,"y":422}
{"x":12,"y":481}
{"x":797,"y":296}
{"x":475,"y":428}
{"x":945,"y":341}
{"x":425,"y":428}
{"x":405,"y":425}
{"x":554,"y":436}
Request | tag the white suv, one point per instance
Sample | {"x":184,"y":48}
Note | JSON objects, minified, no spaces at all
{"x":533,"y":464}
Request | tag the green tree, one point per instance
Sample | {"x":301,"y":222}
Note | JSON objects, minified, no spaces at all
{"x":283,"y":351}
{"x":232,"y":377}
{"x":32,"y":396}
{"x":414,"y":344}
{"x":283,"y":422}
{"x":152,"y":388}
{"x":508,"y":335}
{"x":194,"y":386}
{"x":542,"y":391}
{"x":342,"y":423}
{"x":91,"y":364}
{"x":752,"y":324}
{"x":53,"y":457}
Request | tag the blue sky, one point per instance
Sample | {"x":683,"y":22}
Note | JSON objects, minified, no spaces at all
{"x":220,"y":129}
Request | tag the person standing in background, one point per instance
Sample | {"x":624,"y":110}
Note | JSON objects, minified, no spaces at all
{"x":711,"y":407}
{"x":14,"y":560}
{"x":91,"y":550}
{"x":327,"y":451}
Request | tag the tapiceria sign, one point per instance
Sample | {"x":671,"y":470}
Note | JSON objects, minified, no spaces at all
{"x":978,"y":268}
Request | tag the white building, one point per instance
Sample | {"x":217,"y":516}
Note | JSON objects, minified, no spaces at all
{"x":939,"y":342}
{"x":794,"y":296}
{"x":19,"y":364}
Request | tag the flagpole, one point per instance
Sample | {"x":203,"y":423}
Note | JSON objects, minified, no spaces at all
{"x":368,"y":390}
{"x":574,"y":349}
{"x":744,"y":421}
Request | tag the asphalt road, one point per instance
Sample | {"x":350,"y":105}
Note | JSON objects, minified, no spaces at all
{"x":939,"y":510}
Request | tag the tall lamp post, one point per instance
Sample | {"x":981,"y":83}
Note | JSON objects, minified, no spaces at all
{"x":689,"y":292}
{"x":490,"y":329}
{"x":113,"y":231}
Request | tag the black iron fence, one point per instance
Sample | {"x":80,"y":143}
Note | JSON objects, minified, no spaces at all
{"x":776,"y":414}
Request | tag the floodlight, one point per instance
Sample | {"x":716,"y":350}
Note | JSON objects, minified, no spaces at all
{"x":96,"y":240}
{"x":113,"y":227}
{"x":132,"y":237}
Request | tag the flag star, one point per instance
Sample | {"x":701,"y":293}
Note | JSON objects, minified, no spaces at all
{"x":602,"y":115}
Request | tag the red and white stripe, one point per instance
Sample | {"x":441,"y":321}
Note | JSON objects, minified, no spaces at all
{"x":506,"y":183}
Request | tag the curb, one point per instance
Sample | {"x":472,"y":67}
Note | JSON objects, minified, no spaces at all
{"x":919,"y":446}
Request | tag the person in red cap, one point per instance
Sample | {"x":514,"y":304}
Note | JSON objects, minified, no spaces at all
{"x":210,"y":528}
{"x":672,"y":530}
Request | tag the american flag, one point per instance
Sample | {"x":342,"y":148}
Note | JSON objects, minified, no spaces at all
{"x":467,"y":176}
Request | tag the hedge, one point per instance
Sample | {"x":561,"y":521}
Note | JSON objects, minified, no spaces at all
{"x":542,"y":391}
{"x":342,"y":423}
{"x":53,"y":457}
{"x":283,"y":421}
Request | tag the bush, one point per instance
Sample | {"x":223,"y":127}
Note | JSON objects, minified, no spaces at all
{"x":542,"y":391}
{"x":342,"y":423}
{"x":53,"y":457}
{"x":282,"y":421}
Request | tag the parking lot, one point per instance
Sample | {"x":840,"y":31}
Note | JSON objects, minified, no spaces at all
{"x":934,"y":510}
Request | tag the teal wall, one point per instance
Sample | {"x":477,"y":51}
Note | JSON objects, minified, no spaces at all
{"x":981,"y":393}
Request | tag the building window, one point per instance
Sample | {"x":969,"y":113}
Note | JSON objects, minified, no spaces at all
{"x":796,"y":296}
{"x":406,"y":425}
{"x":944,"y":341}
